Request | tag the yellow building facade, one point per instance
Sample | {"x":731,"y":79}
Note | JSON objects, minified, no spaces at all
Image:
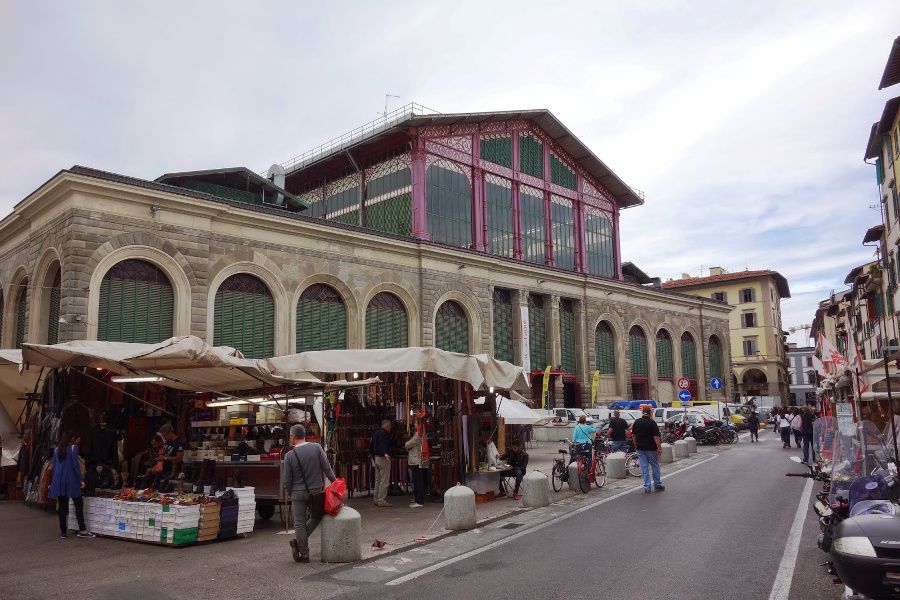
{"x":758,"y":363}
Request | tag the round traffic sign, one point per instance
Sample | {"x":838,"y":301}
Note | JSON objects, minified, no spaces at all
{"x":684,"y":383}
{"x":715,"y":383}
{"x":684,"y":395}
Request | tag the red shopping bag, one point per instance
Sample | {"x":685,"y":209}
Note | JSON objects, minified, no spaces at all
{"x":335,"y":494}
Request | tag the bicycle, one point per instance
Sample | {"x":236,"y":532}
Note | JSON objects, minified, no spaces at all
{"x":560,"y":473}
{"x":595,"y":472}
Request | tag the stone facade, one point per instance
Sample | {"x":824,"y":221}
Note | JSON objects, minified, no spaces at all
{"x":83,"y":222}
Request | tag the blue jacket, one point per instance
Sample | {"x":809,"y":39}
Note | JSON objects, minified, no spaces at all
{"x":66,"y":474}
{"x":583,"y":434}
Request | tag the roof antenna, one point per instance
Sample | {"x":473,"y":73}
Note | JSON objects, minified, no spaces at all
{"x":386,"y":97}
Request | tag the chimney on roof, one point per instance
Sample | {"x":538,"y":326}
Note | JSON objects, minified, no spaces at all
{"x":685,"y":275}
{"x":713,"y":271}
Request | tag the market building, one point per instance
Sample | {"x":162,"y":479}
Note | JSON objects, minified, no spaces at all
{"x":758,"y":341}
{"x":478,"y":233}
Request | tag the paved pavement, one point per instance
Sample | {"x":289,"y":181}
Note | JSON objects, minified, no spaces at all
{"x":718,"y":531}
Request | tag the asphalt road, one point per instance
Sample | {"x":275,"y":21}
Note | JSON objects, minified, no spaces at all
{"x":718,"y":531}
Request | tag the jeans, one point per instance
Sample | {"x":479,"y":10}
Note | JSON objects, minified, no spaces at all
{"x":649,"y":460}
{"x":798,"y":437}
{"x":518,"y":473}
{"x":63,"y":510}
{"x":418,"y":479}
{"x":807,"y":446}
{"x":304,"y":523}
{"x":382,"y":479}
{"x":619,"y":446}
{"x":786,"y":437}
{"x":754,"y":434}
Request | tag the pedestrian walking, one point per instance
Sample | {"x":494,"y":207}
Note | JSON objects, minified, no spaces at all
{"x":796,"y":426}
{"x":808,"y":417}
{"x":67,"y":483}
{"x":753,"y":426}
{"x":380,"y":449}
{"x":784,"y":425}
{"x":648,"y":444}
{"x":414,"y":448}
{"x":305,"y":466}
{"x":618,"y":433}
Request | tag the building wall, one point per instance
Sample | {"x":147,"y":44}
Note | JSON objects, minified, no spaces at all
{"x":90,"y":224}
{"x":800,"y":366}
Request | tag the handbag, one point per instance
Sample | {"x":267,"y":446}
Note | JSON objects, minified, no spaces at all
{"x":316,"y":499}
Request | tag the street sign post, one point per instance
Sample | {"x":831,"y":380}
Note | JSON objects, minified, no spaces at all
{"x":684,"y":383}
{"x":684,"y":395}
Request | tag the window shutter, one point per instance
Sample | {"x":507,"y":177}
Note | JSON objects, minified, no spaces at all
{"x":504,"y":325}
{"x":386,"y":322}
{"x":21,"y":312}
{"x":605,"y":349}
{"x":665,"y":362}
{"x":688,"y":356}
{"x":537,"y":332}
{"x":451,"y":328}
{"x":244,"y":316}
{"x":715,"y":358}
{"x":53,"y":312}
{"x":137,"y":304}
{"x":638,"y":343}
{"x":322,"y":319}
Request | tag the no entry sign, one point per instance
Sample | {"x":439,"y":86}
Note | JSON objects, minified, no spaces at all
{"x":684,"y":383}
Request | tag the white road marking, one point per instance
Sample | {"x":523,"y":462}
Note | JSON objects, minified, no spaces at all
{"x":515,"y":536}
{"x":781,"y":588}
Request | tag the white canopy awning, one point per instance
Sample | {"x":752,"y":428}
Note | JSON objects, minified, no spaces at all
{"x":13,"y":387}
{"x":516,"y":413}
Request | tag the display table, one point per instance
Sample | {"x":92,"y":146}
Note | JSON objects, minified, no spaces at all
{"x":486,"y":480}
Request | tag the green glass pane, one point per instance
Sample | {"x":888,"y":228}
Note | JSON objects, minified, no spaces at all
{"x":497,"y":150}
{"x":534,"y":237}
{"x":504,"y":326}
{"x":499,"y":205}
{"x":449,"y":207}
{"x":537,"y":333}
{"x":531,"y":156}
{"x":563,"y":219}
{"x":606,"y":349}
{"x":562,"y":175}
{"x":567,"y":335}
{"x":393,"y":215}
{"x":599,"y":243}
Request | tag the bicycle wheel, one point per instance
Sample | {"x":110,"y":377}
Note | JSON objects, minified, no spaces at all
{"x":583,"y":482}
{"x":600,"y":474}
{"x":734,"y":437}
{"x":557,"y":476}
{"x":633,"y":465}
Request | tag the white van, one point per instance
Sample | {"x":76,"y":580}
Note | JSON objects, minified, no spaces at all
{"x":568,"y":415}
{"x":661,"y":415}
{"x":598,"y":414}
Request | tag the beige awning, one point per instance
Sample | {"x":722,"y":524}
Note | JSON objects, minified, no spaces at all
{"x":14,"y":385}
{"x":481,"y":371}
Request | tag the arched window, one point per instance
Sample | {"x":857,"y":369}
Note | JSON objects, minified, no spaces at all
{"x":715,"y":357}
{"x":21,"y":312}
{"x":537,"y":333}
{"x":504,"y":325}
{"x":567,"y":334}
{"x":638,"y":342}
{"x":665,"y":360}
{"x":605,"y":346}
{"x":451,"y":328}
{"x":386,"y":322}
{"x":321,"y":319}
{"x":244,"y":316}
{"x":448,"y":196}
{"x":688,"y":356}
{"x":53,"y":309}
{"x":136,"y":304}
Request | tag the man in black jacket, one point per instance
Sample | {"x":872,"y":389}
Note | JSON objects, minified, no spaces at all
{"x":380,"y":448}
{"x":808,"y":417}
{"x":517,"y":459}
{"x":648,"y":444}
{"x":618,"y":433}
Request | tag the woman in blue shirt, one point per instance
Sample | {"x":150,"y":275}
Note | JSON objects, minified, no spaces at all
{"x":68,"y":482}
{"x":582,"y":438}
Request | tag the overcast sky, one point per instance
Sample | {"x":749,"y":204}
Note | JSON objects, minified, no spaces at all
{"x":743,"y":123}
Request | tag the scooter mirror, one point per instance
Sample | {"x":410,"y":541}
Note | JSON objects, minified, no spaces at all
{"x":796,"y":459}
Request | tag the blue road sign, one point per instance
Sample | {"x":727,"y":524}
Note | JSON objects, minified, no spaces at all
{"x":684,"y":395}
{"x":715,"y":383}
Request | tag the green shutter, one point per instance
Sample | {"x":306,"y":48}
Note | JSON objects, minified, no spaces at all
{"x":531,"y":156}
{"x":321,"y":319}
{"x":537,"y":332}
{"x":665,"y":360}
{"x":561,"y":174}
{"x":244,"y":316}
{"x":451,"y":328}
{"x":21,"y":312}
{"x":567,"y":334}
{"x":504,"y":325}
{"x":605,"y":348}
{"x":638,"y":343}
{"x":688,"y":357}
{"x":497,"y":150}
{"x":393,"y":215}
{"x":386,"y":322}
{"x":53,"y":312}
{"x":715,"y":358}
{"x":137,"y":304}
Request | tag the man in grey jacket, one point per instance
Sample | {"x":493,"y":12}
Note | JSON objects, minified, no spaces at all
{"x":302,"y":476}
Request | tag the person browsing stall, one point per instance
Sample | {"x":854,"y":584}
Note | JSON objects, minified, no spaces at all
{"x":648,"y":444}
{"x":305,"y":467}
{"x":517,"y":459}
{"x":414,"y":447}
{"x":380,"y":448}
{"x":173,"y":451}
{"x":67,"y":482}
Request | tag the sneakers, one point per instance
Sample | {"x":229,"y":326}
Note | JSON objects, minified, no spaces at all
{"x":383,"y":504}
{"x":660,"y":488}
{"x":85,"y":534}
{"x":304,"y":559}
{"x":295,"y":551}
{"x":516,"y":497}
{"x":415,"y":505}
{"x":63,"y":536}
{"x":646,"y":491}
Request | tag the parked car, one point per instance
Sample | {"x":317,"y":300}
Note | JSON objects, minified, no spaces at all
{"x":568,"y":415}
{"x":661,"y":415}
{"x":598,"y":414}
{"x":697,"y":418}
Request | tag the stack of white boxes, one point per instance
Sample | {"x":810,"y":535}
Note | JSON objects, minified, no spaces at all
{"x":140,"y":521}
{"x":246,"y":508}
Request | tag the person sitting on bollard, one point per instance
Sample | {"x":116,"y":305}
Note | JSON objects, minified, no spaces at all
{"x":582,"y":439}
{"x":618,"y":433}
{"x":517,"y":459}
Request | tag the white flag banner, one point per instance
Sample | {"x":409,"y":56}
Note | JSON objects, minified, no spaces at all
{"x":830,"y":354}
{"x":819,"y":366}
{"x":854,"y":358}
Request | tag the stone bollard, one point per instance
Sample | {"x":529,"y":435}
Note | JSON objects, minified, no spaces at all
{"x":341,"y":535}
{"x":573,"y":477}
{"x":535,"y":490}
{"x":681,"y":449}
{"x":692,"y":445}
{"x":667,"y":455}
{"x":615,"y":466}
{"x":459,"y":508}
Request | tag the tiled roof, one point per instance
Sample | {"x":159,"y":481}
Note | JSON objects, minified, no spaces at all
{"x":783,"y":289}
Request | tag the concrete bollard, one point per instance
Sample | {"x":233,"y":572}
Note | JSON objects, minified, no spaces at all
{"x":692,"y":445}
{"x":535,"y":490}
{"x":681,"y":449}
{"x":615,"y":466}
{"x":667,"y":455}
{"x":573,"y":477}
{"x":340,"y":536}
{"x":459,"y":508}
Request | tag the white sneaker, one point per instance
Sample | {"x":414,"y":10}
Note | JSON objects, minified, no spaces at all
{"x":415,"y":505}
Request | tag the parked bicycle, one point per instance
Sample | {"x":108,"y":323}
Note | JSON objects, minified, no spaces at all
{"x":560,"y":473}
{"x":591,"y":466}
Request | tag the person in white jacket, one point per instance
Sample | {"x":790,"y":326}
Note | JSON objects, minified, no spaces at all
{"x":414,"y":447}
{"x":797,"y":427}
